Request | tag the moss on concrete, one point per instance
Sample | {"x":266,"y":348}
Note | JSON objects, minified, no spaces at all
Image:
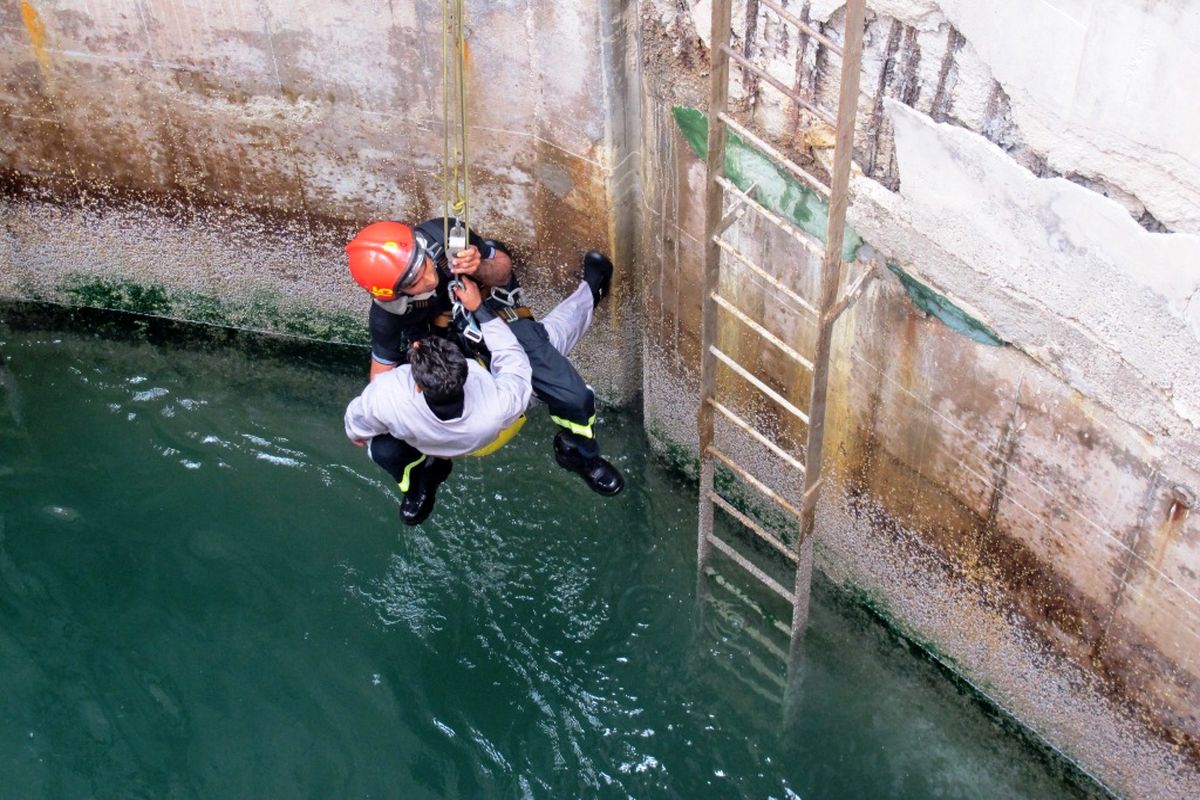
{"x":261,"y":311}
{"x":676,"y":456}
{"x":117,"y":295}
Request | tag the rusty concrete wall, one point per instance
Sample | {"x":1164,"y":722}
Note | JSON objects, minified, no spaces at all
{"x":208,"y":160}
{"x":1013,"y":508}
{"x":1019,"y":507}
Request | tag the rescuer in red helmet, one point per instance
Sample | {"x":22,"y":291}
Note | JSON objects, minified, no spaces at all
{"x":406,"y":272}
{"x":441,"y":405}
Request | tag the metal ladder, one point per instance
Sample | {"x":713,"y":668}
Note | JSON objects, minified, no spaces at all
{"x":825,"y":310}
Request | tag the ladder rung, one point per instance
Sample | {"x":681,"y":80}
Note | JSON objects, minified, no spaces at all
{"x":761,"y":439}
{"x":811,"y":243}
{"x":769,"y":619}
{"x":813,"y":181}
{"x":760,"y":330}
{"x":809,"y":498}
{"x":802,"y":25}
{"x":779,"y":85}
{"x":766,"y":276}
{"x":763,"y":691}
{"x":735,"y":211}
{"x":851,"y":295}
{"x":762,"y":387}
{"x":745,"y":564}
{"x":753,"y":481}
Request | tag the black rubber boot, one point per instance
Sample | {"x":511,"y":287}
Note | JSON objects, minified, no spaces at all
{"x":600,"y":476}
{"x":418,"y":501}
{"x":597,"y":273}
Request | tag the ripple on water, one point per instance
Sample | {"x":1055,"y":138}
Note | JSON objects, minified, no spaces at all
{"x":149,"y":394}
{"x":404,"y":595}
{"x":282,"y":461}
{"x":64,"y":513}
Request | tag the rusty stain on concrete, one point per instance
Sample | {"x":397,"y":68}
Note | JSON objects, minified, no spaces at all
{"x":37,"y":33}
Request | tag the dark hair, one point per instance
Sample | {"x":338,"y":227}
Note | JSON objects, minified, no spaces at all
{"x":439,"y":368}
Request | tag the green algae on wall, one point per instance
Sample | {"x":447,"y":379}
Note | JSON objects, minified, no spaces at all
{"x":942,"y":308}
{"x":261,"y":311}
{"x":778,"y":189}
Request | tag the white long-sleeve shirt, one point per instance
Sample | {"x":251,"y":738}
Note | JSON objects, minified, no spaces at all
{"x":491,"y":402}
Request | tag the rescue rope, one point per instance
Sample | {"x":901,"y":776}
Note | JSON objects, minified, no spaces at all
{"x":456,"y":177}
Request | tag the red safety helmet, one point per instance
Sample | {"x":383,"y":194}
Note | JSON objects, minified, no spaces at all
{"x":385,"y":257}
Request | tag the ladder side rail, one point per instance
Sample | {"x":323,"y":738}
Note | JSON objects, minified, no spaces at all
{"x":851,"y":294}
{"x":830,"y":279}
{"x":718,"y":100}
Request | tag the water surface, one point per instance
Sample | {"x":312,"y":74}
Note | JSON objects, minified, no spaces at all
{"x":205,"y":592}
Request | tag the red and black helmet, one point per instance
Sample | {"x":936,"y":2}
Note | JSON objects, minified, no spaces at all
{"x":385,"y":257}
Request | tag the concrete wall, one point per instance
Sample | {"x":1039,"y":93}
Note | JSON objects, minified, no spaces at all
{"x":1020,"y":509}
{"x":1028,"y":168}
{"x":209,"y":160}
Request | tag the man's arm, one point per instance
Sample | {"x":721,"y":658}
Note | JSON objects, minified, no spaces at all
{"x":378,"y":368}
{"x":374,"y":413}
{"x":510,"y":365}
{"x":360,"y":422}
{"x":390,"y":337}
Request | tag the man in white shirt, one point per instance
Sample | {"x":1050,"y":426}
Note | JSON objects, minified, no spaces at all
{"x":416,"y":417}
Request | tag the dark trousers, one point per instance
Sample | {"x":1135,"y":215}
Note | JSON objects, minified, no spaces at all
{"x":400,"y":459}
{"x":557,"y":383}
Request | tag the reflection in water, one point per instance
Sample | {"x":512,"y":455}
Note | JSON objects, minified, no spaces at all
{"x":205,"y":591}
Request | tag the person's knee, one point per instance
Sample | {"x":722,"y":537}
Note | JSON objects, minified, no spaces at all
{"x":583,"y":400}
{"x":393,"y":454}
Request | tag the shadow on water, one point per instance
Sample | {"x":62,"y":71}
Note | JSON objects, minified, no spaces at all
{"x":205,"y":592}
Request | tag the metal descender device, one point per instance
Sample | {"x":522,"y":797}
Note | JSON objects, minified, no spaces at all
{"x":464,"y":320}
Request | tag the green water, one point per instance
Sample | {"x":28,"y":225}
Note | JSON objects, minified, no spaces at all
{"x":205,"y":593}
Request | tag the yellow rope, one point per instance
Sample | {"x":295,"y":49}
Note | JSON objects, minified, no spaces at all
{"x":456,"y":178}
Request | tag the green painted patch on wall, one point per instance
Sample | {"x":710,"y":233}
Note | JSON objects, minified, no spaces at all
{"x":778,"y":189}
{"x":940,"y":306}
{"x":260,"y":312}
